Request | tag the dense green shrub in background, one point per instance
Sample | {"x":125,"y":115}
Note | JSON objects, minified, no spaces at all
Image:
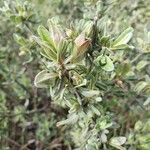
{"x":90,"y":63}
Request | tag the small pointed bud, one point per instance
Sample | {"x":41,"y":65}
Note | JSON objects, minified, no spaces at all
{"x":81,"y":47}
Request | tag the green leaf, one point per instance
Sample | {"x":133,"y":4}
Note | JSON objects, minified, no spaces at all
{"x":90,"y":93}
{"x":20,"y":40}
{"x":46,"y":51}
{"x":119,"y":47}
{"x":105,"y":63}
{"x":90,"y":147}
{"x":117,"y":142}
{"x":124,"y":38}
{"x":138,"y":126}
{"x":147,"y":102}
{"x":140,"y":86}
{"x":71,"y":120}
{"x":82,"y":84}
{"x":95,"y":110}
{"x":87,"y":27}
{"x":42,"y":77}
{"x":103,"y":137}
{"x":141,"y":65}
{"x":122,"y":69}
{"x":105,"y":41}
{"x":55,"y":30}
{"x":62,"y":47}
{"x":45,"y":36}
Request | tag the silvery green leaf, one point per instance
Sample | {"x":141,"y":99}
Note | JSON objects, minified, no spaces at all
{"x":45,"y":36}
{"x":20,"y":40}
{"x":84,"y":133}
{"x":82,"y":84}
{"x":95,"y":110}
{"x":120,"y":140}
{"x":117,"y":142}
{"x":72,"y":118}
{"x":46,"y":51}
{"x":118,"y":147}
{"x":90,"y":93}
{"x":90,"y":147}
{"x":141,"y":64}
{"x":123,"y":68}
{"x":140,"y":86}
{"x":87,"y":27}
{"x":105,"y":41}
{"x":55,"y":30}
{"x":103,"y":137}
{"x":124,"y":37}
{"x":147,"y":102}
{"x":102,"y":124}
{"x":138,"y":126}
{"x":70,"y":66}
{"x":119,"y":47}
{"x":43,"y":76}
{"x":62,"y":48}
{"x":109,"y":66}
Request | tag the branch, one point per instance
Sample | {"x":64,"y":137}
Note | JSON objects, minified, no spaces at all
{"x":76,"y":92}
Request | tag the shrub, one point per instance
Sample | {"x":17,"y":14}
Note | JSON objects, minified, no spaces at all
{"x":93,"y":81}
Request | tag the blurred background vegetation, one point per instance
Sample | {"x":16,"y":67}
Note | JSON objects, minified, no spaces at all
{"x":27,"y":115}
